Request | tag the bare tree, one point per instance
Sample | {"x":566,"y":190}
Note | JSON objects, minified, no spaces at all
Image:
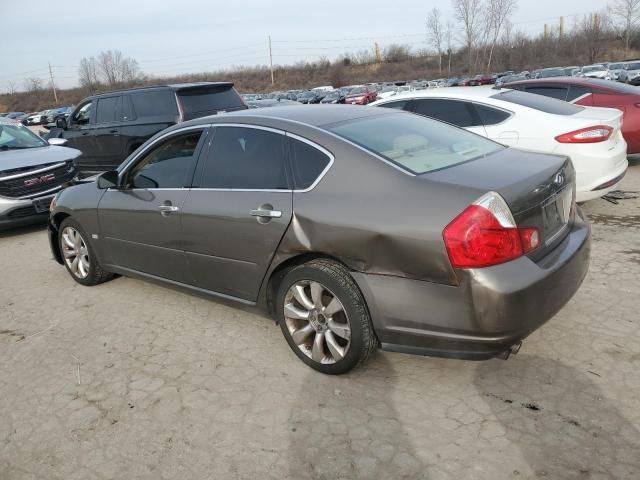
{"x":396,"y":53}
{"x":11,"y":87}
{"x":627,"y":14}
{"x":448,"y":35}
{"x":468,"y":12}
{"x":88,"y":73}
{"x":115,"y":68}
{"x":33,"y":84}
{"x":498,"y":12}
{"x":435,"y":34}
{"x":593,"y":30}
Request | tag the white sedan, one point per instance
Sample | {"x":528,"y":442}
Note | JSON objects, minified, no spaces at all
{"x":590,"y":136}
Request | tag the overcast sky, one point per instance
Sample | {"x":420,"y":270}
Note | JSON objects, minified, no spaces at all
{"x":205,"y":35}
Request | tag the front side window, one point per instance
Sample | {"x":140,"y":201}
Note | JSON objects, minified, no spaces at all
{"x":83,"y":115}
{"x":246,"y":159}
{"x":307,"y":163}
{"x":451,"y":111}
{"x":415,"y":143}
{"x":168,"y":165}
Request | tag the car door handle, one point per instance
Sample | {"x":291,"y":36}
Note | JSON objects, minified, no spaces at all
{"x":167,"y":209}
{"x":114,"y":132}
{"x":86,"y":133}
{"x":266,"y":213}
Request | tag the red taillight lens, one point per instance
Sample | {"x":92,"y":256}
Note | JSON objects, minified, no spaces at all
{"x":601,"y":133}
{"x":477,"y":238}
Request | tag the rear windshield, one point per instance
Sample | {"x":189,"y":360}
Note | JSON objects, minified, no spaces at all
{"x":538,"y":102}
{"x":212,"y":100}
{"x":415,"y":143}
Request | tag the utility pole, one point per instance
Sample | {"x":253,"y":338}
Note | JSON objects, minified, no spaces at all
{"x":546,"y":31}
{"x":561,"y":31}
{"x":271,"y":60}
{"x":53,"y":85}
{"x":377,"y":50}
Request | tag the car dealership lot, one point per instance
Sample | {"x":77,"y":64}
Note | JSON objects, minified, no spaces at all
{"x":133,"y":380}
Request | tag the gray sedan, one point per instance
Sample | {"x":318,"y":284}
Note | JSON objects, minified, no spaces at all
{"x":354,"y":228}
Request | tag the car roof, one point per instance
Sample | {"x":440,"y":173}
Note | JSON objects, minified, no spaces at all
{"x":172,"y":86}
{"x":314,"y":115}
{"x":452,"y":92}
{"x":586,"y":82}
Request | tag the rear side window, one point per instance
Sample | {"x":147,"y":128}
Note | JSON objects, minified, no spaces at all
{"x":539,"y":102}
{"x":154,"y":103}
{"x":246,"y":159}
{"x":416,"y":143}
{"x":307,"y":163}
{"x":210,"y":100}
{"x":107,"y":109}
{"x":451,"y":111}
{"x":577,"y":91}
{"x":491,"y":116}
{"x":399,"y":104}
{"x":558,"y":92}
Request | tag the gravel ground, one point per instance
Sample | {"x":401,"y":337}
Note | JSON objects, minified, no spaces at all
{"x":130,"y":380}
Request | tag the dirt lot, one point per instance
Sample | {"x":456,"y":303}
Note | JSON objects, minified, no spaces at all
{"x":130,"y":380}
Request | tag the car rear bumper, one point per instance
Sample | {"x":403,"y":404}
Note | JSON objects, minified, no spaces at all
{"x":488,"y":312}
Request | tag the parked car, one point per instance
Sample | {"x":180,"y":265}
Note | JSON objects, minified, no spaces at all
{"x":270,"y":102}
{"x":273,"y":210}
{"x":36,"y":118}
{"x":501,"y":81}
{"x":596,"y":71}
{"x":310,"y":96}
{"x":592,"y":92}
{"x":591,"y":137}
{"x":31,"y":172}
{"x":615,"y":69}
{"x":16,"y":116}
{"x":482,"y":79}
{"x":336,"y":96}
{"x":549,"y":72}
{"x":388,"y":91}
{"x":572,"y":71}
{"x":108,"y":127}
{"x":631,"y":73}
{"x":361,"y":95}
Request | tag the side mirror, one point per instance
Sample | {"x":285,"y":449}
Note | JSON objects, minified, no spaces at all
{"x":61,"y":123}
{"x":58,"y":142}
{"x":108,"y":180}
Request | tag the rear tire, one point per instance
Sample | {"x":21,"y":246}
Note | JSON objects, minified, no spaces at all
{"x":78,"y":255}
{"x":324,"y":317}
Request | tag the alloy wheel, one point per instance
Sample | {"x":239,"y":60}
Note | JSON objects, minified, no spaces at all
{"x":317,"y":322}
{"x":75,"y":252}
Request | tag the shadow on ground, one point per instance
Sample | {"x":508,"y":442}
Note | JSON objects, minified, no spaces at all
{"x":338,"y":432}
{"x":560,"y":419}
{"x":18,"y":231}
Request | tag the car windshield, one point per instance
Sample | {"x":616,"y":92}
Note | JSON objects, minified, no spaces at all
{"x":595,"y":68}
{"x":389,"y":89}
{"x":538,"y":102}
{"x":358,"y":90}
{"x":16,"y":137}
{"x":615,"y":66}
{"x":415,"y":143}
{"x":333,"y":94}
{"x":551,"y":72}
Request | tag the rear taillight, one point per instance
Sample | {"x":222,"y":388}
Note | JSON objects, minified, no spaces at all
{"x":600,"y":133}
{"x":485,"y":234}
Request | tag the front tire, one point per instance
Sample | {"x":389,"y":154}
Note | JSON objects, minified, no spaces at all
{"x":324,"y":317}
{"x":78,"y":256}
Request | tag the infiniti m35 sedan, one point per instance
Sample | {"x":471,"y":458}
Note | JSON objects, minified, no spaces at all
{"x":354,"y":228}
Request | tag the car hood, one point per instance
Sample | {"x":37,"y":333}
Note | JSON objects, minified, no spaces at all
{"x":29,"y":157}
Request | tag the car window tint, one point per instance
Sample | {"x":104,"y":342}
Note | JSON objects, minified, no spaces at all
{"x":168,"y":165}
{"x":307,"y":163}
{"x":417,"y":143}
{"x":126,"y":109}
{"x":107,"y":109}
{"x":450,"y":111}
{"x":491,"y":116}
{"x":83,"y":115}
{"x":245,"y":158}
{"x":210,"y":100}
{"x":539,"y":102}
{"x":154,"y":103}
{"x":576,"y":91}
{"x":558,"y":92}
{"x":399,"y":104}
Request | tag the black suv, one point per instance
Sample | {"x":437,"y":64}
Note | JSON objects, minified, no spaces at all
{"x":108,"y":127}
